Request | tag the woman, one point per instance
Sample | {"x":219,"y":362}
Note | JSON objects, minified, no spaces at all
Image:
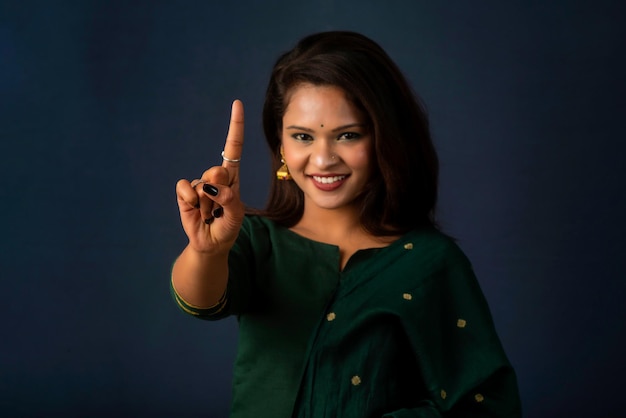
{"x":351,"y":302}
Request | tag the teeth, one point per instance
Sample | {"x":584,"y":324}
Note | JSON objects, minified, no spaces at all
{"x":328,"y":180}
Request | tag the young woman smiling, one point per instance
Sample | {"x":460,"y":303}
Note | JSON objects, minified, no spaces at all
{"x":351,"y":301}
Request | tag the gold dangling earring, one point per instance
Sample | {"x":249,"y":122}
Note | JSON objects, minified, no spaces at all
{"x":283,"y":171}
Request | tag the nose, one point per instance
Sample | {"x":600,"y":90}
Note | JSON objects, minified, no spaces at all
{"x":323,"y":154}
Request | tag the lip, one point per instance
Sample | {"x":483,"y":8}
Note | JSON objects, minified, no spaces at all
{"x":328,"y":182}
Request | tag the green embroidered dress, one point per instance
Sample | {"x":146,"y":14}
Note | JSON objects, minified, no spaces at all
{"x":402,"y":331}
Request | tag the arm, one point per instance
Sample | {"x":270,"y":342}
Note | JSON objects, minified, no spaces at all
{"x":211,"y":212}
{"x":199,"y":280}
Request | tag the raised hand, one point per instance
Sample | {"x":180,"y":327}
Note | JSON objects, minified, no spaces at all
{"x":211,"y":209}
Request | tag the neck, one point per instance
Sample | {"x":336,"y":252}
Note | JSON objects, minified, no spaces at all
{"x":332,"y":226}
{"x":340,"y":227}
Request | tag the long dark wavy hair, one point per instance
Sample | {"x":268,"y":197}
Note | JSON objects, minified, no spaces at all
{"x":402,"y":193}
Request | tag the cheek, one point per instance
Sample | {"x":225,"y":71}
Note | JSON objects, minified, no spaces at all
{"x":293,"y":155}
{"x":361,"y":158}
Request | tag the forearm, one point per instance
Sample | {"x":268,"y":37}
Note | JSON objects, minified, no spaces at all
{"x":200,"y":279}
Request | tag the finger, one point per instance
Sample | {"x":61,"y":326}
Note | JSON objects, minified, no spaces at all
{"x":186,"y":193}
{"x":234,"y":140}
{"x":219,"y":195}
{"x":216,"y":175}
{"x":205,"y":204}
{"x":194,"y":185}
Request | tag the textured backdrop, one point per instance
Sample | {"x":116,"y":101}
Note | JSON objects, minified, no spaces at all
{"x":104,"y":105}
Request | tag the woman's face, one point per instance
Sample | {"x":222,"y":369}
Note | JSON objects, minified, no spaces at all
{"x":327,"y":146}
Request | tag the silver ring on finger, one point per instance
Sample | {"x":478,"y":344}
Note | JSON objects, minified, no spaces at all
{"x":196,"y":182}
{"x":230,"y":160}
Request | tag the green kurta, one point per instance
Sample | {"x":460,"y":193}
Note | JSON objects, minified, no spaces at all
{"x":402,"y":331}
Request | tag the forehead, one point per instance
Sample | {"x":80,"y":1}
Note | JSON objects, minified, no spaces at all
{"x":309,"y":101}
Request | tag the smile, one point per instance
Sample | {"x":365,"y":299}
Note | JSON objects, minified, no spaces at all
{"x":328,"y":180}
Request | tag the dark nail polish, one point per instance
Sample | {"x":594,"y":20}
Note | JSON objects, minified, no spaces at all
{"x":218,"y":212}
{"x":209,"y":189}
{"x":209,"y":221}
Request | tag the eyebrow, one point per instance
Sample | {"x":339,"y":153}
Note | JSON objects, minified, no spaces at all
{"x":340,"y":128}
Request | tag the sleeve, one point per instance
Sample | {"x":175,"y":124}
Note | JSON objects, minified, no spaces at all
{"x":203,"y":313}
{"x":466,"y":371}
{"x":246,"y":262}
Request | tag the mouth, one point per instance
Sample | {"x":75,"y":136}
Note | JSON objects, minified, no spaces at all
{"x":328,"y":180}
{"x":328,"y":183}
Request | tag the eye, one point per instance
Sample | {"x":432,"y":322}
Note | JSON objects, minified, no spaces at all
{"x":302,"y":137}
{"x":349,"y":136}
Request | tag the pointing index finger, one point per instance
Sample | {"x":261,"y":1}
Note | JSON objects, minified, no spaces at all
{"x":234,"y":140}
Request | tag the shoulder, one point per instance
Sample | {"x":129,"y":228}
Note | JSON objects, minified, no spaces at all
{"x":435,"y":245}
{"x":260,"y":231}
{"x":253,"y":221}
{"x":254,"y":224}
{"x":430,"y":256}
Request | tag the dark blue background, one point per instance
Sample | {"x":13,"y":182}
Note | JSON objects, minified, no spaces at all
{"x":106,"y":104}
